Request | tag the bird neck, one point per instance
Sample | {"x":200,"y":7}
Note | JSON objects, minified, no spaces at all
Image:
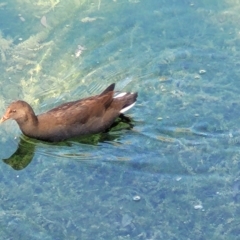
{"x":29,"y":124}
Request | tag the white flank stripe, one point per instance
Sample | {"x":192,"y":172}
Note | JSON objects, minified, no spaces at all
{"x":120,"y":95}
{"x":127,"y":108}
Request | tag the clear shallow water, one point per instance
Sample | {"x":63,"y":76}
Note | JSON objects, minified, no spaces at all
{"x":182,"y":156}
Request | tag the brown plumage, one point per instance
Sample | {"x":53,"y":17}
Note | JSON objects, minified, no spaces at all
{"x":85,"y":116}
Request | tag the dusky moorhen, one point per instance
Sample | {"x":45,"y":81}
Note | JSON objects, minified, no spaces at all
{"x":85,"y":116}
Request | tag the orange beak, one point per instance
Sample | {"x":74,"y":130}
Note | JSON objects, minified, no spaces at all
{"x":3,"y":119}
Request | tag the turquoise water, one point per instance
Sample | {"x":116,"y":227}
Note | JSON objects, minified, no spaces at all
{"x":176,"y":174}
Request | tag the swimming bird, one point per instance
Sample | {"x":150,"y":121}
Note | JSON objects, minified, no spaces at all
{"x":89,"y":115}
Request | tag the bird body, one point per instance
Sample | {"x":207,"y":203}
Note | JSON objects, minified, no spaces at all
{"x":85,"y":116}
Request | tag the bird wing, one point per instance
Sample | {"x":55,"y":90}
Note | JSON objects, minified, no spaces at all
{"x":79,"y":112}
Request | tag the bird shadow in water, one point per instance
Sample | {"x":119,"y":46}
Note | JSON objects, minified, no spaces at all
{"x":24,"y":154}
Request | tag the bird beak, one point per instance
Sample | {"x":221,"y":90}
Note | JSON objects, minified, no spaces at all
{"x":3,"y":119}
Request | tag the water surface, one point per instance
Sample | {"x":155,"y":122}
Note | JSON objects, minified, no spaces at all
{"x":175,"y":175}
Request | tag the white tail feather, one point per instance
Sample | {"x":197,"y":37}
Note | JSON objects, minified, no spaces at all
{"x":127,"y":108}
{"x":120,"y":95}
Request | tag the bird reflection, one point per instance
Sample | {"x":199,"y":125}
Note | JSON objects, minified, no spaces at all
{"x":24,"y":154}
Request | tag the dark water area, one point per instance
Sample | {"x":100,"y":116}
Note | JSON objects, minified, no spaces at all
{"x":175,"y":174}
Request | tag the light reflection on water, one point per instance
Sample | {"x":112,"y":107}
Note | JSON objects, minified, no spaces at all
{"x":181,"y":158}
